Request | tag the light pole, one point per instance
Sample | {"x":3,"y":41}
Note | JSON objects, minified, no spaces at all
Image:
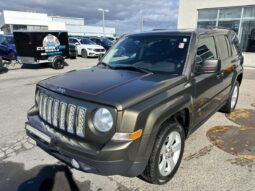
{"x":103,"y":12}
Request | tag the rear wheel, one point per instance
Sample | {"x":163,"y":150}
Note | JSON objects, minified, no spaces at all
{"x":166,"y":154}
{"x":84,"y":53}
{"x":232,"y":100}
{"x":1,"y":63}
{"x":58,"y":63}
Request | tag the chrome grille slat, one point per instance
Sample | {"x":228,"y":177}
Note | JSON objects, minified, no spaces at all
{"x":41,"y":104}
{"x":62,"y":118}
{"x":49,"y":110}
{"x":71,"y":118}
{"x":55,"y":113}
{"x":44,"y":112}
{"x":80,"y":128}
{"x":67,"y":117}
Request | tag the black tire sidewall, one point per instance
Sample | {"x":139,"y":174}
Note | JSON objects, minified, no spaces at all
{"x":156,"y":176}
{"x":58,"y":64}
{"x":11,"y":55}
{"x":84,"y":53}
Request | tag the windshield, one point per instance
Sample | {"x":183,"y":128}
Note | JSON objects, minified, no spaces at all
{"x":107,"y":42}
{"x":86,"y":41}
{"x":6,"y":39}
{"x":166,"y":54}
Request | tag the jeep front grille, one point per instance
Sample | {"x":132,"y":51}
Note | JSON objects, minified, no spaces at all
{"x":67,"y":117}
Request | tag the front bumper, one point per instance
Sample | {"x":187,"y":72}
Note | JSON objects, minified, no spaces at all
{"x":92,"y":53}
{"x":73,"y":53}
{"x":109,"y":160}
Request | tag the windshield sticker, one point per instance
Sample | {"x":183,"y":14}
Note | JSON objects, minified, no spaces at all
{"x":181,"y":45}
{"x":185,"y":39}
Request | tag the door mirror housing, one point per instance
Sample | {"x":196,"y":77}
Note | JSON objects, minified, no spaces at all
{"x":210,"y":66}
{"x":77,"y":43}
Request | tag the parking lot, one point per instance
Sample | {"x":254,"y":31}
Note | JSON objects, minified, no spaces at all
{"x":207,"y":163}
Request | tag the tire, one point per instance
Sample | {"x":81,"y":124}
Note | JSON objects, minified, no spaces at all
{"x":1,"y":63}
{"x":152,"y":172}
{"x":84,"y":53}
{"x":58,"y":63}
{"x":232,"y":100}
{"x":11,"y":55}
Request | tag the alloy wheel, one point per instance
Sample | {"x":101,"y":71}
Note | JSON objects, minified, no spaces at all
{"x":169,"y":153}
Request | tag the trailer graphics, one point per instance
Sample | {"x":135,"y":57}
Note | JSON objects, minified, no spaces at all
{"x":41,"y":46}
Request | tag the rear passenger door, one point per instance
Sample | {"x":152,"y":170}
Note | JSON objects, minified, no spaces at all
{"x":229,"y":61}
{"x":207,"y":86}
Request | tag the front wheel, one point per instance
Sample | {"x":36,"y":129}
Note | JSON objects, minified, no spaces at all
{"x":84,"y":53}
{"x":166,"y":155}
{"x":232,"y":100}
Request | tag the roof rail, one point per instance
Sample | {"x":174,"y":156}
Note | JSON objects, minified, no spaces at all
{"x":218,"y":27}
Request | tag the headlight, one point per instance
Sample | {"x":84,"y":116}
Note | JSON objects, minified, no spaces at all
{"x":91,"y":49}
{"x":103,"y":120}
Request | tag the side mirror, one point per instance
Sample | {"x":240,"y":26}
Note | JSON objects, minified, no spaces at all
{"x":100,"y":57}
{"x":77,"y":43}
{"x":210,"y":66}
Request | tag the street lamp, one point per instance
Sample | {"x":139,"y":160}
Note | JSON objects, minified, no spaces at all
{"x":103,"y":12}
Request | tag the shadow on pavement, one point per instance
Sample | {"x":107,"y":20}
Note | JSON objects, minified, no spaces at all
{"x":3,"y":70}
{"x":38,"y":66}
{"x":40,"y":178}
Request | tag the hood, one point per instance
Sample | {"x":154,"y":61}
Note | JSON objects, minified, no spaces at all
{"x":118,"y":88}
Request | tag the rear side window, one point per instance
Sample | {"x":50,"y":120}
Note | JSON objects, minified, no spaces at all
{"x":206,"y":49}
{"x":224,"y":48}
{"x":228,"y":45}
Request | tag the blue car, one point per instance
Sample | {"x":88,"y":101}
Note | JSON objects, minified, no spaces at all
{"x":7,"y":47}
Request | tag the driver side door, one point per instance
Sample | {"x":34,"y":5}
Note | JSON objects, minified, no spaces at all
{"x":207,"y":85}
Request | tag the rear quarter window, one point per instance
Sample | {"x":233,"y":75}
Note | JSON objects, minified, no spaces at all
{"x":223,"y":47}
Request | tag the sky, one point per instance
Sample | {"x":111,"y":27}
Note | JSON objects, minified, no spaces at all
{"x":124,"y":15}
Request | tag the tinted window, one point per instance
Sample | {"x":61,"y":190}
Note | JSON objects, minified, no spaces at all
{"x":228,"y":45}
{"x":70,"y":41}
{"x":107,"y":42}
{"x":75,"y":41}
{"x":223,"y":47}
{"x":159,"y":54}
{"x":206,"y":51}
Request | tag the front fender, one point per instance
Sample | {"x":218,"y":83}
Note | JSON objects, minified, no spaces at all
{"x":151,"y":114}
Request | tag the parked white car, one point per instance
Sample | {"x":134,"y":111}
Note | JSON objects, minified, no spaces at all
{"x":86,"y":47}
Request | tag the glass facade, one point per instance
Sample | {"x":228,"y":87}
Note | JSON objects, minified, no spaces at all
{"x":239,"y":19}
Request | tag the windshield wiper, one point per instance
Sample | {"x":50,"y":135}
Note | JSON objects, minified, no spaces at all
{"x":104,"y":64}
{"x":130,"y":67}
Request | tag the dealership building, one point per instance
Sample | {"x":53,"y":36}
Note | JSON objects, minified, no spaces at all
{"x":16,"y":20}
{"x":238,"y":15}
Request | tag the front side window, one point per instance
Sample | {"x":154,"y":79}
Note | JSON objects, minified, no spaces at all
{"x":206,"y":51}
{"x":157,"y":54}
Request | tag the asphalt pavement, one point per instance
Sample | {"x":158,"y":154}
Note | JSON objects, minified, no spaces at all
{"x":208,"y":164}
